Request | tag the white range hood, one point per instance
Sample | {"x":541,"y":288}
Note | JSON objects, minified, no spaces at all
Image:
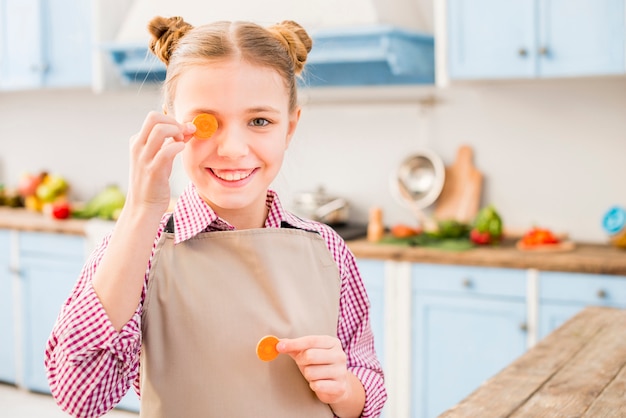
{"x":317,"y":14}
{"x":387,"y":41}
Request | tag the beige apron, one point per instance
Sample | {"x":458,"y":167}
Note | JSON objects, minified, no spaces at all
{"x":209,"y":301}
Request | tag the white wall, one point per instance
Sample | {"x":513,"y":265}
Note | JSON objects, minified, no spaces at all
{"x":552,"y":152}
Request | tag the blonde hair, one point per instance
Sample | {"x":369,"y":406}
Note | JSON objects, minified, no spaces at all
{"x":283,"y":47}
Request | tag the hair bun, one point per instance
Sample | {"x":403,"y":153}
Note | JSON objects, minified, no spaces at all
{"x":166,"y":31}
{"x":296,"y":40}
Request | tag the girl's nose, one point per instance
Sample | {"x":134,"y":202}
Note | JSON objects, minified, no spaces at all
{"x":231,"y":142}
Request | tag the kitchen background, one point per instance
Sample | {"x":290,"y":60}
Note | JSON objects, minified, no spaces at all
{"x":551,"y":150}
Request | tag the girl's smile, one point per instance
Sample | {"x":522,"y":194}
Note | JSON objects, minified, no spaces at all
{"x":233,"y":178}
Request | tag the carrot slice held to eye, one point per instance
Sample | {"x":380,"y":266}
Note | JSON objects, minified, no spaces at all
{"x":206,"y":125}
{"x":266,"y":348}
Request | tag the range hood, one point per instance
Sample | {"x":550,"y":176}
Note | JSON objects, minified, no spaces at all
{"x":356,"y":42}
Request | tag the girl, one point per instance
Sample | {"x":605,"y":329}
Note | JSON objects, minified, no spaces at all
{"x":175,"y":303}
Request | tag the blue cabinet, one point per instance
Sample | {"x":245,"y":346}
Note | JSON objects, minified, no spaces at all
{"x":45,"y":43}
{"x":49,"y":267}
{"x":491,"y":39}
{"x":7,"y":307}
{"x":467,"y":324}
{"x":563,"y":295}
{"x":373,"y":275}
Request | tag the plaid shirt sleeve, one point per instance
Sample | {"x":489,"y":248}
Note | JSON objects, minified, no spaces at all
{"x":90,"y":364}
{"x":355,"y":333}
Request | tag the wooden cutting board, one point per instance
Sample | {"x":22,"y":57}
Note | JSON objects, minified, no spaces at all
{"x":460,"y":197}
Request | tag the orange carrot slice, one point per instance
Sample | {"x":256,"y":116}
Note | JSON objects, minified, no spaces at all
{"x":266,"y":348}
{"x":206,"y":125}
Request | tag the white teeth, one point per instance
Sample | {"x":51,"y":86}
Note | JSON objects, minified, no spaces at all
{"x":232,"y":175}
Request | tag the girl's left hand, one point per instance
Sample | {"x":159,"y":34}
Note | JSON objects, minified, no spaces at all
{"x":322,"y":362}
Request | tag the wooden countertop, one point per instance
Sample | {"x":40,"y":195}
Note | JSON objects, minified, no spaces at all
{"x":25,"y":220}
{"x":585,"y":258}
{"x":579,"y":370}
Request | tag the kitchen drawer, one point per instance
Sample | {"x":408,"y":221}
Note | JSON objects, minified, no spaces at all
{"x":469,"y":280}
{"x":40,"y":244}
{"x":593,"y":289}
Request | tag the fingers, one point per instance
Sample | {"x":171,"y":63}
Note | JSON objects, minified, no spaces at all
{"x":152,"y":153}
{"x":295,"y":345}
{"x":156,"y":129}
{"x":322,"y":362}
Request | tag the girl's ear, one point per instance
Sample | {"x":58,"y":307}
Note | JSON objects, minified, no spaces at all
{"x":293,"y":123}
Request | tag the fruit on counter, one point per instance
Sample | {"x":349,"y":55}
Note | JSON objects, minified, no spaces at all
{"x":60,"y":209}
{"x":51,"y":188}
{"x":480,"y":238}
{"x":28,"y":183}
{"x":487,"y":227}
{"x":107,"y":204}
{"x":404,"y":231}
{"x":539,"y":236}
{"x":42,"y":188}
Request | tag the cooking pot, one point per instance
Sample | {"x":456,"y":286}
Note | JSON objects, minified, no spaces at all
{"x":322,"y":207}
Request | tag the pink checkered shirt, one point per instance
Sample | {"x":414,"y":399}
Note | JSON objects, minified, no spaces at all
{"x":91,"y":366}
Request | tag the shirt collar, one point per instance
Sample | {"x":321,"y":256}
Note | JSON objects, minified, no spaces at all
{"x":193,"y":215}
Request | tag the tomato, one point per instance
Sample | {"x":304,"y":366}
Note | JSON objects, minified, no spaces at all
{"x":480,"y":238}
{"x":539,"y":236}
{"x":61,"y":210}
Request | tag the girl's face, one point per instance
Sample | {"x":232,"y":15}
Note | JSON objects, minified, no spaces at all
{"x":233,"y":169}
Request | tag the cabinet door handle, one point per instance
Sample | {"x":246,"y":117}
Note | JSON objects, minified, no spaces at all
{"x":544,"y":51}
{"x":467,"y":283}
{"x":14,"y":270}
{"x":602,"y":294}
{"x":523,"y":326}
{"x":522,"y":52}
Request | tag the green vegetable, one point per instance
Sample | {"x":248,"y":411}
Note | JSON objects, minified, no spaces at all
{"x":489,"y":221}
{"x":452,"y":229}
{"x":430,"y":240}
{"x":107,"y":204}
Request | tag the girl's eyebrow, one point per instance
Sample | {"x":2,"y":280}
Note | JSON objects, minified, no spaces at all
{"x":258,"y":109}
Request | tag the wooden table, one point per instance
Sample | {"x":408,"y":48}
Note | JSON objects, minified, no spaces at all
{"x":576,"y":371}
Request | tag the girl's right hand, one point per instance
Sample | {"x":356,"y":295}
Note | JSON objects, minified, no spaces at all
{"x":152,"y":153}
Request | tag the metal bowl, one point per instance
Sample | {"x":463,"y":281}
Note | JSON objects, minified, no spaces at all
{"x":419,"y":180}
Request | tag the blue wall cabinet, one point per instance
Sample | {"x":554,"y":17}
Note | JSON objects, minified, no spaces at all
{"x":467,"y":324}
{"x":491,"y":39}
{"x":49,"y":267}
{"x":562,"y":295}
{"x":45,"y":43}
{"x":7,"y":317}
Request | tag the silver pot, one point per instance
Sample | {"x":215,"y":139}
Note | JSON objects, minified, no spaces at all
{"x":321,"y":207}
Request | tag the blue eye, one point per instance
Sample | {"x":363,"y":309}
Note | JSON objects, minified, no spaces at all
{"x":259,"y":122}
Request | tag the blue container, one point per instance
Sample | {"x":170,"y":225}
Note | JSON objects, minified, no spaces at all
{"x":614,"y":224}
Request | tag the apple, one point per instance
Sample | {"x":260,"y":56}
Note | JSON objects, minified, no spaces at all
{"x":28,"y":184}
